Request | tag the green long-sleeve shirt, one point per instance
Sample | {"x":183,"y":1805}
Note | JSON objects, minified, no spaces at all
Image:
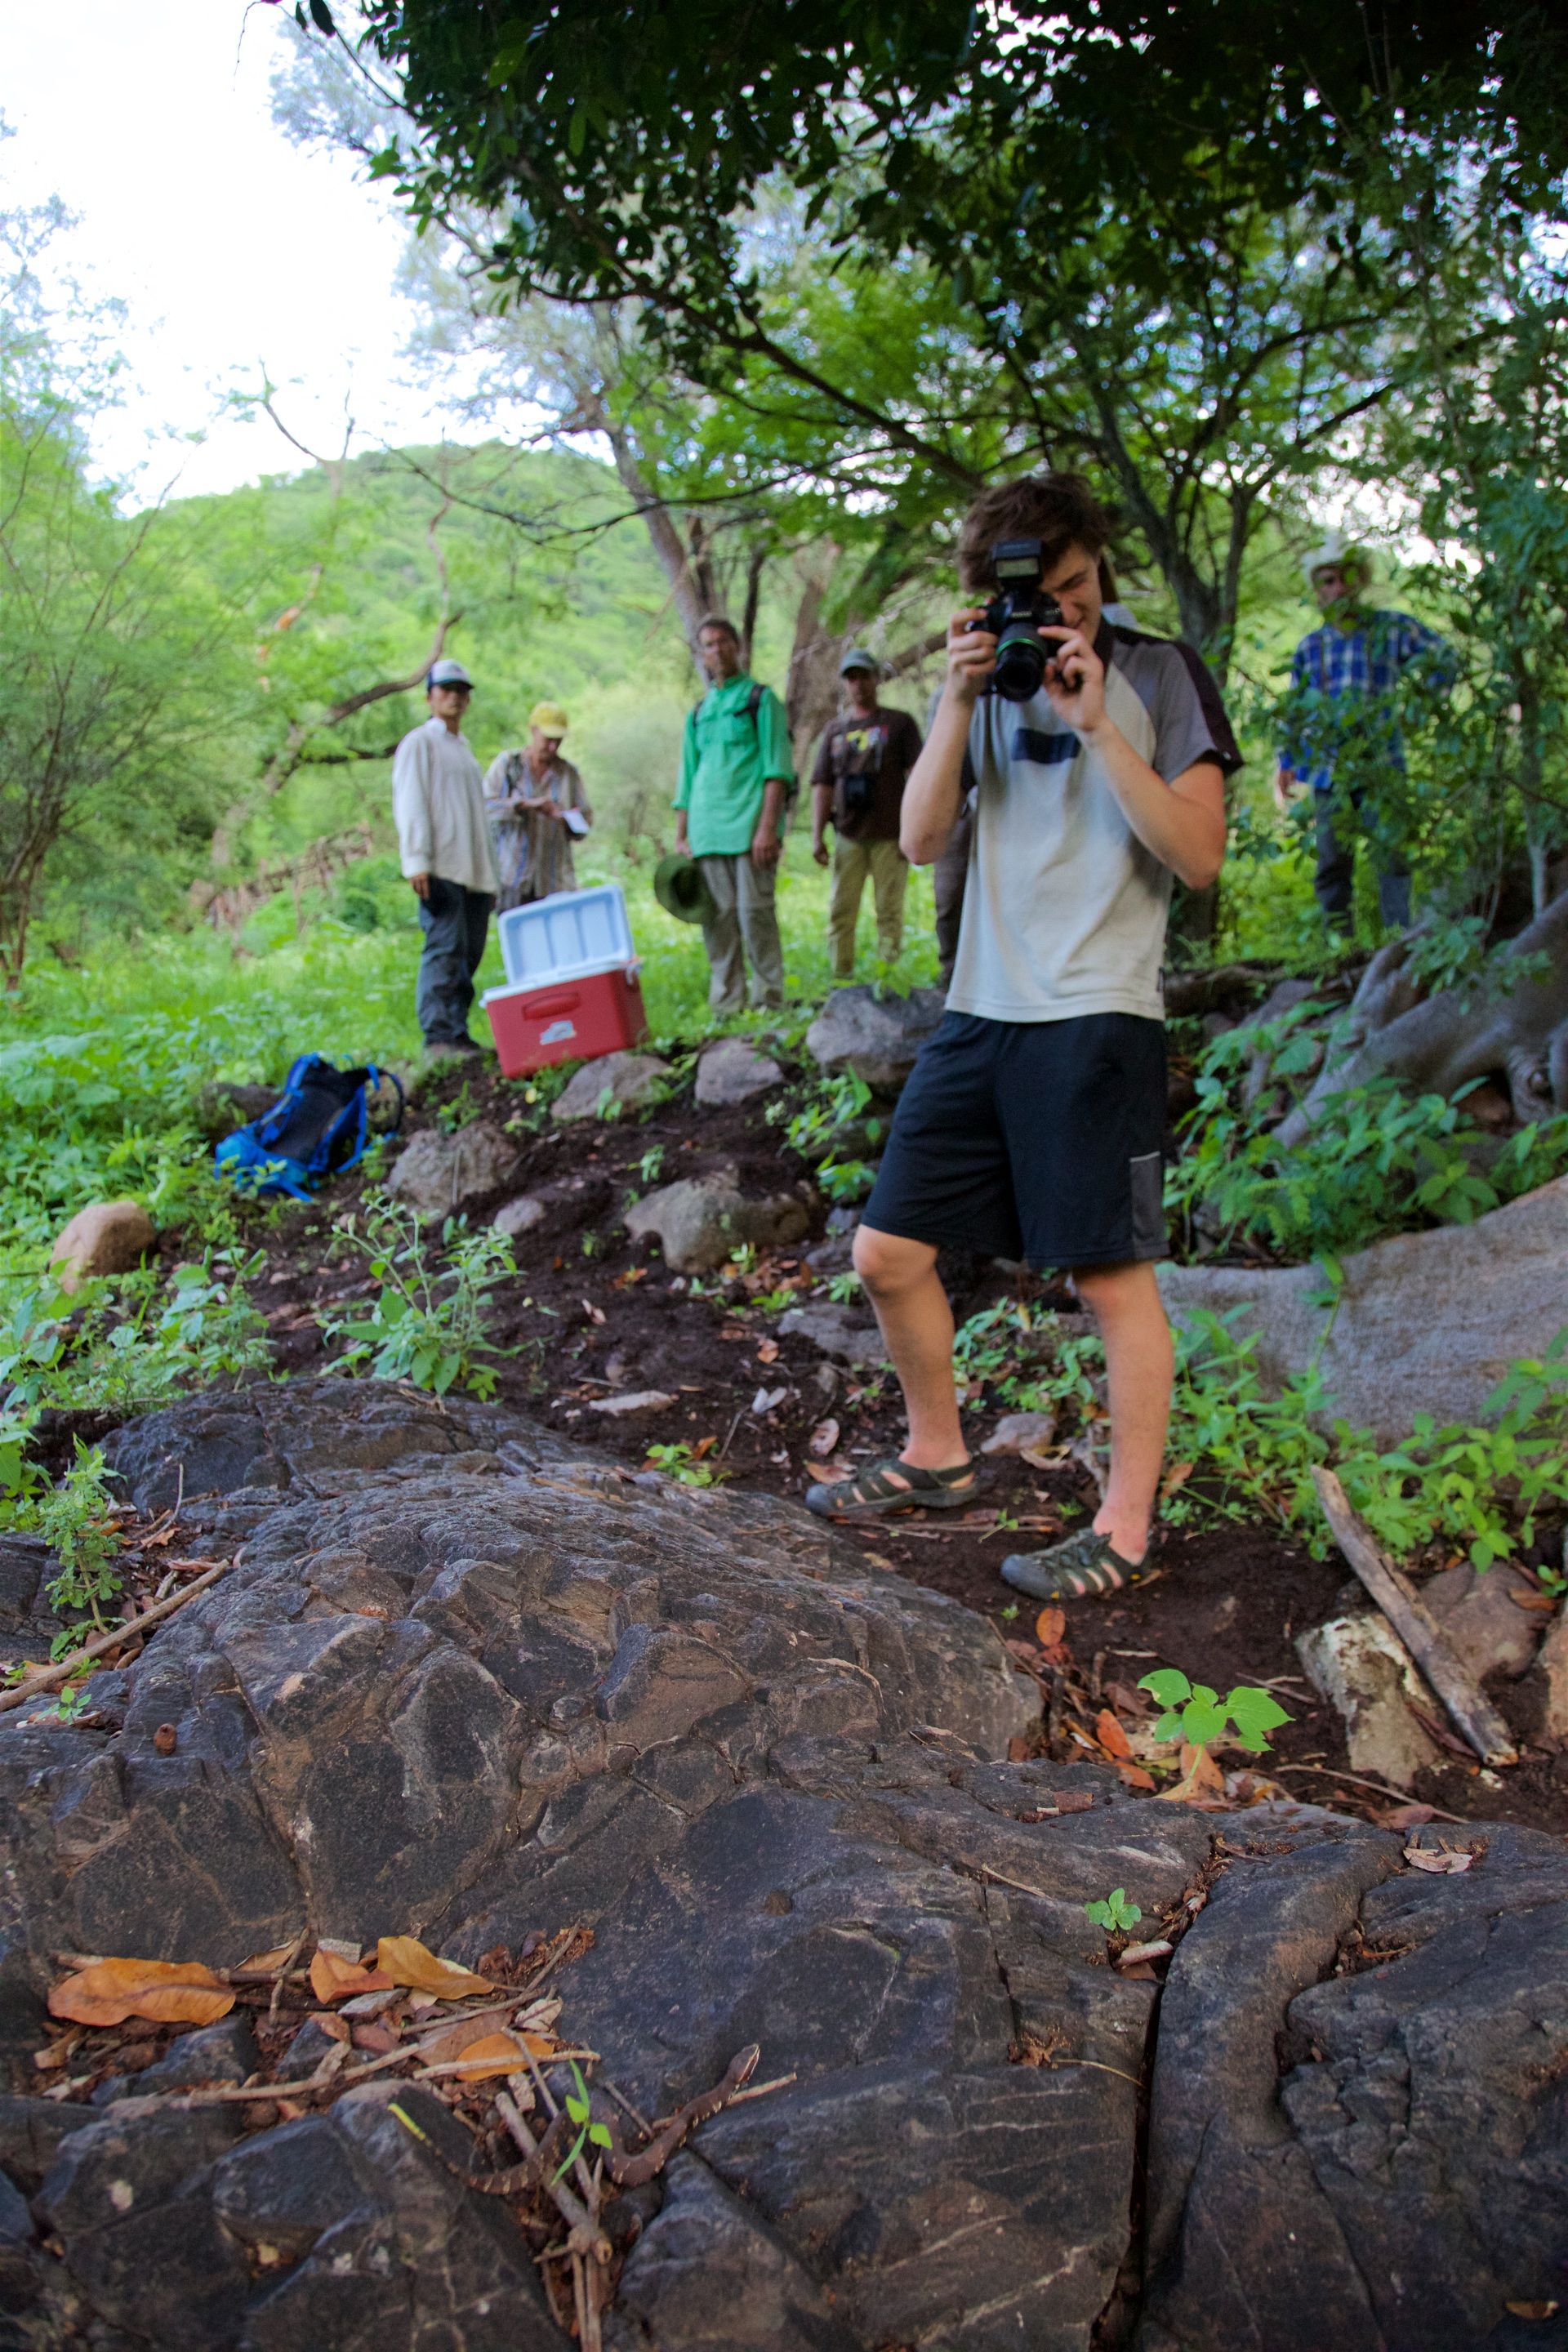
{"x":727,"y":760}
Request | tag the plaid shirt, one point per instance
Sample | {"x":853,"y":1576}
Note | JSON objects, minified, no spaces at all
{"x":1359,"y":667}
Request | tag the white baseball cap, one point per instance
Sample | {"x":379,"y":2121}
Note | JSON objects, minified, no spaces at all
{"x":447,"y":673}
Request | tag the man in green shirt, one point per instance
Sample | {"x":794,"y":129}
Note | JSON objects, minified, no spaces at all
{"x":735,"y":770}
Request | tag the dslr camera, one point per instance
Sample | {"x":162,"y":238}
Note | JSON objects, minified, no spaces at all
{"x":1016,"y":615}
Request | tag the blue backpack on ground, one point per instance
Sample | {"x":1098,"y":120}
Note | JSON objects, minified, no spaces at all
{"x":317,"y":1128}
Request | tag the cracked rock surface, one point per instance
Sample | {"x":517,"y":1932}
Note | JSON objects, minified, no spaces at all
{"x":467,"y":1681}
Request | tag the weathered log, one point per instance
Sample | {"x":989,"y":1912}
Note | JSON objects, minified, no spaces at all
{"x":1469,"y":1710}
{"x":1517,"y":1033}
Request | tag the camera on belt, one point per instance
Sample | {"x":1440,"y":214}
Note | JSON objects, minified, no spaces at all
{"x":1015,"y":617}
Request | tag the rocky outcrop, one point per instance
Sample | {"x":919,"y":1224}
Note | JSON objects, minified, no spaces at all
{"x":877,"y":1036}
{"x":733,"y":1071}
{"x":847,"y":1338}
{"x":438,"y":1174}
{"x":107,"y":1237}
{"x":614,"y":1084}
{"x":467,"y":1682}
{"x":1424,"y":1323}
{"x":699,"y":1221}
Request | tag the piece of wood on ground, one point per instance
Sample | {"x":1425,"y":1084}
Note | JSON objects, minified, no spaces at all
{"x":1469,"y":1710}
{"x":46,"y":1677}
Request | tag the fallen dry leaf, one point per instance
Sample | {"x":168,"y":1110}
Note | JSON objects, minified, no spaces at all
{"x":376,"y":2039}
{"x":1407,"y":1817}
{"x":632,"y":1274}
{"x":768,"y":1352}
{"x":1545,"y":2310}
{"x":1176,"y":1475}
{"x":1050,"y":1626}
{"x":267,"y":1963}
{"x":1112,"y":1736}
{"x":1445,"y":1861}
{"x":823,"y":1439}
{"x":493,"y":2054}
{"x":332,"y":1979}
{"x":168,"y":1992}
{"x":703,"y":1445}
{"x":1134,"y":1776}
{"x":337,"y":2029}
{"x":1202,"y":1780}
{"x":1543,"y":1604}
{"x":404,"y":1961}
{"x":594,"y":1314}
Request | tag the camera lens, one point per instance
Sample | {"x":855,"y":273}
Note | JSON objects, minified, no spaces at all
{"x":1020,"y":669}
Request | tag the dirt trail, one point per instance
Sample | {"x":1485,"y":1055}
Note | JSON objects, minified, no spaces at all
{"x":593,"y":1315}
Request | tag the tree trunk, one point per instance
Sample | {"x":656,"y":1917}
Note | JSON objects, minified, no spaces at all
{"x":1515,"y":1035}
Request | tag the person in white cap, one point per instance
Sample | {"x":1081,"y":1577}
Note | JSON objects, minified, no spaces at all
{"x":1343,"y":740}
{"x":857,"y":787}
{"x":444,"y":841}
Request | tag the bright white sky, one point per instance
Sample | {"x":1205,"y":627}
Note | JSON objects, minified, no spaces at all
{"x":230,"y":247}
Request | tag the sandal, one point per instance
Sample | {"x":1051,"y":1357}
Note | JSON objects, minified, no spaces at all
{"x":1086,"y":1567}
{"x":890,"y":1485}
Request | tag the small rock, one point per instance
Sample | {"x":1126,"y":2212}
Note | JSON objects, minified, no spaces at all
{"x":629,"y":1080}
{"x":732,"y":1072}
{"x":638,"y":1401}
{"x":519,"y":1217}
{"x":109,"y":1237}
{"x":877,"y":1037}
{"x":438,"y":1173}
{"x":1554,"y":1662}
{"x":1478,"y":1614}
{"x":225,"y":2053}
{"x":838,"y":1332}
{"x":1360,"y":1665}
{"x":699,"y":1220}
{"x":843,"y":1219}
{"x":835,"y":1255}
{"x":1022,"y":1432}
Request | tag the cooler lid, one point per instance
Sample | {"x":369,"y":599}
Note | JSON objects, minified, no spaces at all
{"x":557,"y":979}
{"x":563,"y":937}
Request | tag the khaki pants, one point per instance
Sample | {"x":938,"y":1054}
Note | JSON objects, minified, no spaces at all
{"x":886,"y":864}
{"x":742,"y":896}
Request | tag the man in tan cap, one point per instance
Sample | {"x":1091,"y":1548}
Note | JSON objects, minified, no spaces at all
{"x":537,"y":808}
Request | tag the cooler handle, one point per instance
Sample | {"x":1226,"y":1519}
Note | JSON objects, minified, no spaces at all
{"x":545,"y":1008}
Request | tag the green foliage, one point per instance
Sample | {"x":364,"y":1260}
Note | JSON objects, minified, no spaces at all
{"x":1114,"y":1911}
{"x":580,"y":2111}
{"x":427,"y":1321}
{"x":1376,"y":1160}
{"x":77,"y":1520}
{"x":1197,"y":1715}
{"x":844,"y":1288}
{"x":680,"y":1462}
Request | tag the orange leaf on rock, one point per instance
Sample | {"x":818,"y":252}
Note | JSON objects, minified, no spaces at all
{"x":1112,"y":1736}
{"x":168,"y":1992}
{"x":332,"y":1979}
{"x":404,"y":1961}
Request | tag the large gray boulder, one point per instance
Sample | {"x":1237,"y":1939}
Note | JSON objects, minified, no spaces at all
{"x":699,"y":1221}
{"x":438,"y":1174}
{"x":876,"y":1036}
{"x":466,"y":1681}
{"x":1425,"y":1322}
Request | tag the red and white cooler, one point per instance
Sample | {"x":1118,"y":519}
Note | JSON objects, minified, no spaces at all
{"x":571,"y":989}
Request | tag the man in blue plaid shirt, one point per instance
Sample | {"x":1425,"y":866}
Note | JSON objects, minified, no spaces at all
{"x":1344,"y":734}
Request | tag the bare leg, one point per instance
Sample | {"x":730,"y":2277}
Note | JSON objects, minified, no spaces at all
{"x":1125,"y":1302}
{"x":911,"y":1307}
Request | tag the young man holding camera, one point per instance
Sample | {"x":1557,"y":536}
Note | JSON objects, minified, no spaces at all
{"x":1032,"y":1125}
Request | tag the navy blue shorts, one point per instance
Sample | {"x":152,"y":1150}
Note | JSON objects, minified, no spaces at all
{"x":1038,"y":1140}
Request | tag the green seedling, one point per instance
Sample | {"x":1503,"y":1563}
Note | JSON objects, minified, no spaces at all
{"x":579,"y":2112}
{"x":1198,"y":1716}
{"x":77,"y":1521}
{"x":844,"y":1288}
{"x":680,"y":1463}
{"x":1114,"y":1914}
{"x":651,"y":1162}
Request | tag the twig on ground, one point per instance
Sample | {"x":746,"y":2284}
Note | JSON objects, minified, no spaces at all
{"x":632,"y":2171}
{"x":46,"y":1677}
{"x":1471,"y":1713}
{"x":1354,"y":1781}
